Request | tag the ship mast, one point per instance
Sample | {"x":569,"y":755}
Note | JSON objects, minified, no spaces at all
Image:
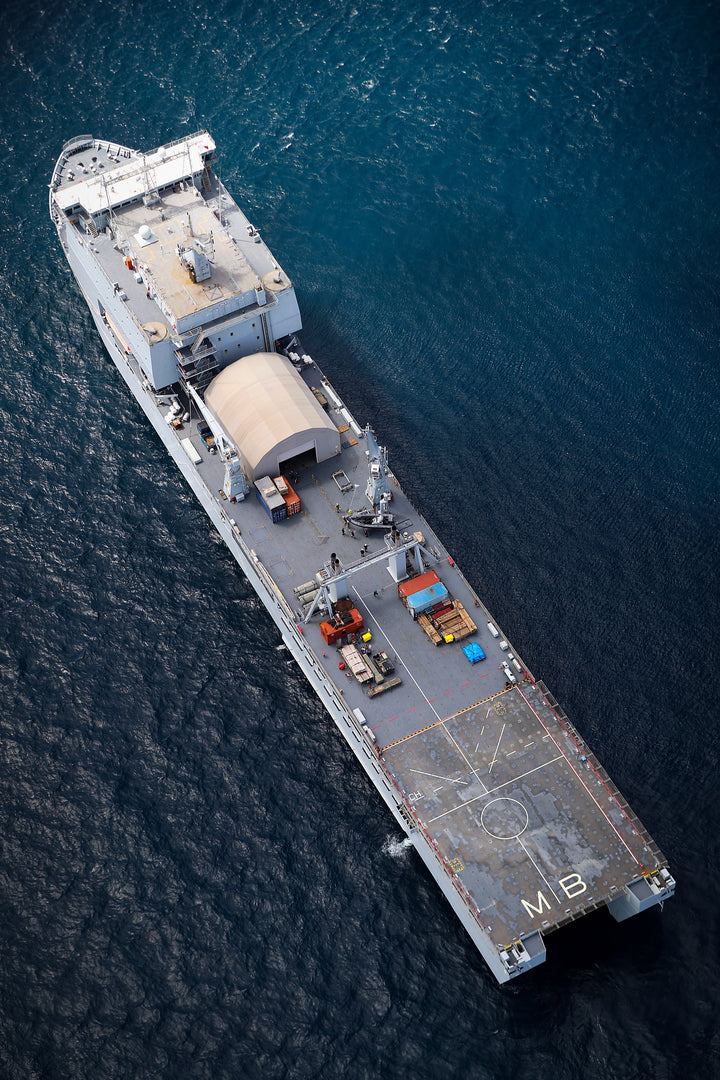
{"x":377,"y":489}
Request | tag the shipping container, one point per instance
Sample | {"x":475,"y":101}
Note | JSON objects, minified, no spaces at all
{"x":416,"y":584}
{"x":425,"y":599}
{"x":270,"y":499}
{"x":292,"y":501}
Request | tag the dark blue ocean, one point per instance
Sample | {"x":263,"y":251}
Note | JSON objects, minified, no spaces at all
{"x":503,"y":222}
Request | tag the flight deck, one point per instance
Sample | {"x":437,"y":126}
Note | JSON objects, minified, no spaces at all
{"x":517,"y":809}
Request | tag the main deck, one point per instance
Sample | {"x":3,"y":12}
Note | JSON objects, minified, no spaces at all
{"x":503,"y":786}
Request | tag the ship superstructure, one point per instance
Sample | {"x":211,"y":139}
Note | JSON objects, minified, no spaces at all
{"x":510,"y":811}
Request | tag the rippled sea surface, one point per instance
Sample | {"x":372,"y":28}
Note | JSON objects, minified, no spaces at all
{"x":503,"y":223}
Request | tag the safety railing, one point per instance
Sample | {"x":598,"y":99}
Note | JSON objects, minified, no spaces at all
{"x":78,"y":143}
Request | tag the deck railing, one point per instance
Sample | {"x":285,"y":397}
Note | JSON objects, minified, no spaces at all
{"x":79,"y":142}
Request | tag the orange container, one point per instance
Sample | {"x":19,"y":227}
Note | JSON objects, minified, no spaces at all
{"x":292,"y":501}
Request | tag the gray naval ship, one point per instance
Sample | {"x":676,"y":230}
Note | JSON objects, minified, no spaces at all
{"x":508,"y":808}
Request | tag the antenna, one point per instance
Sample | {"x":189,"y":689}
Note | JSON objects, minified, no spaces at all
{"x":219,"y":196}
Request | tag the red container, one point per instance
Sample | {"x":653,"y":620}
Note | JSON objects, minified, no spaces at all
{"x":417,"y":584}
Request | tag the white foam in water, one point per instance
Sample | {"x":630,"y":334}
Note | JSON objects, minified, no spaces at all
{"x":396,"y":848}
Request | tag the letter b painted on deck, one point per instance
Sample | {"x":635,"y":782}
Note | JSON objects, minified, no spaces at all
{"x":572,"y":885}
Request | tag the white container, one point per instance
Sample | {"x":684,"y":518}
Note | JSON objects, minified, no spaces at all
{"x":503,"y":645}
{"x":190,"y":451}
{"x":493,"y":630}
{"x":516,"y":664}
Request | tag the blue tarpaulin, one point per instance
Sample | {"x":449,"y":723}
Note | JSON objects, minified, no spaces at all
{"x":473,"y":652}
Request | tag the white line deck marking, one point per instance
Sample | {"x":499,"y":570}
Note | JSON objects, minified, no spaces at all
{"x":462,"y":755}
{"x":397,"y":652}
{"x":491,"y":791}
{"x":497,"y":748}
{"x":538,"y":869}
{"x":436,"y":776}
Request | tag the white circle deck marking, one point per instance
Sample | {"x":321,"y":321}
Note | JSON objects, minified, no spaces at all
{"x":508,"y":818}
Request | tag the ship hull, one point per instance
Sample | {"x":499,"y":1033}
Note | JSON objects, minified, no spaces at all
{"x":475,"y":813}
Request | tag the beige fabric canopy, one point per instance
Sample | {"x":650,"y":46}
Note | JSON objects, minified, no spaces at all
{"x":270,"y":414}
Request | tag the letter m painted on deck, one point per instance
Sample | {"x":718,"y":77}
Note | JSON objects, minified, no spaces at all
{"x":531,"y":909}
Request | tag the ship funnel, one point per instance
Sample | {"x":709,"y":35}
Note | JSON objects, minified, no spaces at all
{"x":195,"y":262}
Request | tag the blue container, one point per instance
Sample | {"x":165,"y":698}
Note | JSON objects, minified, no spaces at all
{"x":426,"y":598}
{"x":271,"y":500}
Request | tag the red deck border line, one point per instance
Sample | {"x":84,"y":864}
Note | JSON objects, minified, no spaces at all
{"x":580,"y":749}
{"x":577,"y":774}
{"x":431,"y":701}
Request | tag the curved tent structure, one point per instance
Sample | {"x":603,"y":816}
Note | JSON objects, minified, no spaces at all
{"x":270,"y":414}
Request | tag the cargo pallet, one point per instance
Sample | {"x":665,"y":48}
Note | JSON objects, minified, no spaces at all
{"x":454,"y":622}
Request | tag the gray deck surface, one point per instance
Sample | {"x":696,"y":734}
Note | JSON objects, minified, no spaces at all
{"x":497,"y":780}
{"x":502,"y":792}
